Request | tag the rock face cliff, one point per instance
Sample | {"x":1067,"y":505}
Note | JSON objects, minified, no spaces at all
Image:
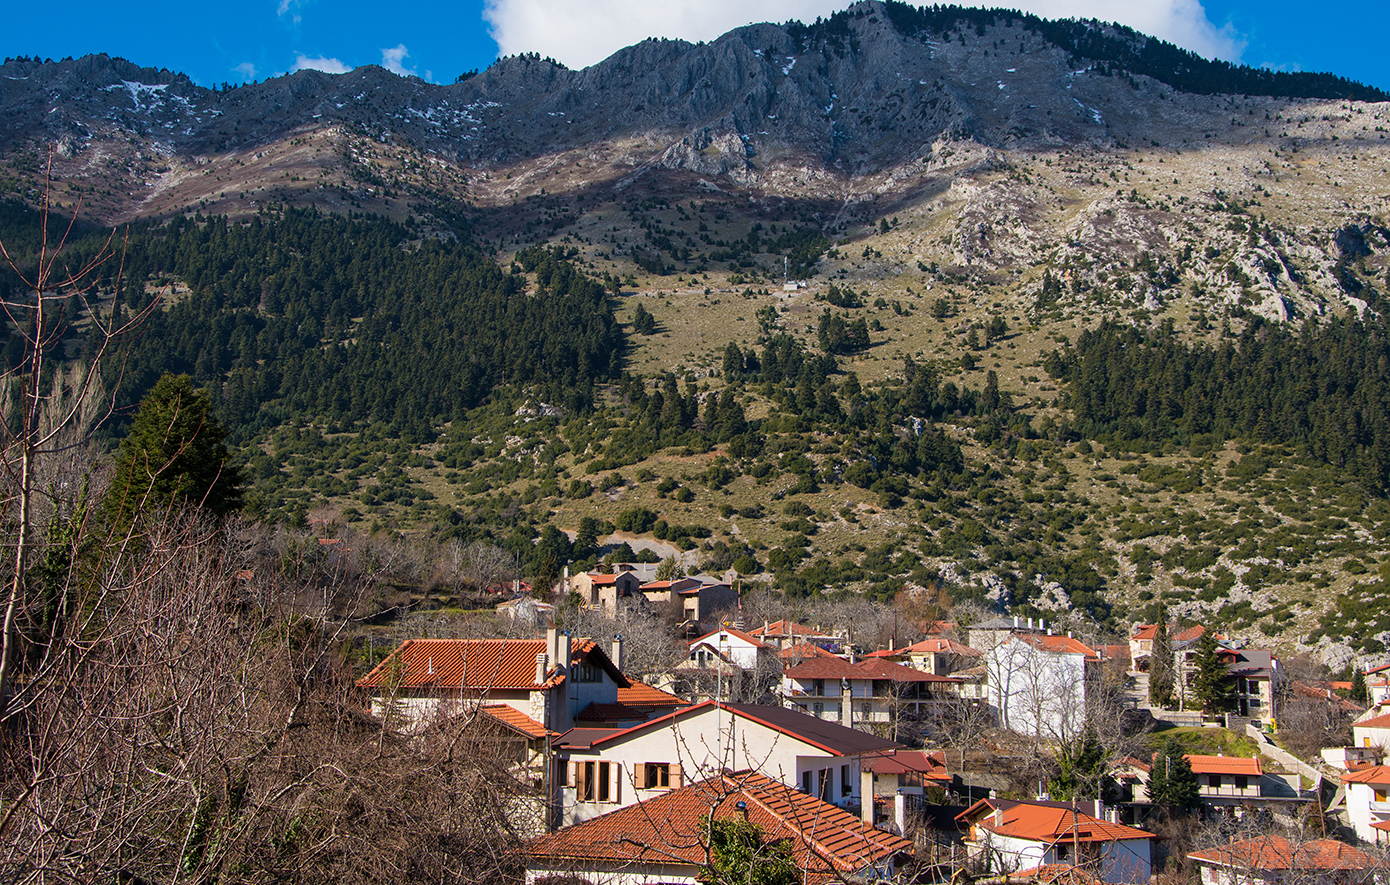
{"x":872,"y":88}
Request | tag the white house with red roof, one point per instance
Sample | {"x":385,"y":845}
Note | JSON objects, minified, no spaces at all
{"x":936,"y":655}
{"x":727,"y":647}
{"x":1276,"y":858}
{"x":1008,"y":837}
{"x":666,"y":838}
{"x":551,"y":680}
{"x":1372,"y":730}
{"x":1368,"y":802}
{"x":781,"y":634}
{"x":1041,"y":684}
{"x":873,"y":693}
{"x":600,"y":769}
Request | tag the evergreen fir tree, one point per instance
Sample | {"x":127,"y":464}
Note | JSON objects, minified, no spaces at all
{"x":1359,"y":692}
{"x":1211,"y":685}
{"x":1161,"y":664}
{"x":175,"y":455}
{"x":1172,"y":784}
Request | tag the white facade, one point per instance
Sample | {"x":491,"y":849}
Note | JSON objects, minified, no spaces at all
{"x":1036,"y":691}
{"x":647,"y":760}
{"x":1128,"y":860}
{"x":727,"y":645}
{"x":1368,"y":803}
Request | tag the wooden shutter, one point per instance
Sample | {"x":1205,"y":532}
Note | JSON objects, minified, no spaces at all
{"x":675,"y":776}
{"x":616,"y":772}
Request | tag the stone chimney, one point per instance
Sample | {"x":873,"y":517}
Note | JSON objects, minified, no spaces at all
{"x":617,"y":656}
{"x":542,"y":664}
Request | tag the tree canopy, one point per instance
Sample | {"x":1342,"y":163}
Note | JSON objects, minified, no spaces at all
{"x":175,"y":455}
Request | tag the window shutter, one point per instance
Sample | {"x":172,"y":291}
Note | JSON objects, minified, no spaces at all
{"x":617,"y":775}
{"x":573,"y":779}
{"x":675,"y":776}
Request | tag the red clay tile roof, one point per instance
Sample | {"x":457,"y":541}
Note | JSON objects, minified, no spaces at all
{"x":932,"y":765}
{"x":1145,"y":631}
{"x":1058,"y":645}
{"x":1382,"y":721}
{"x":1048,"y":823}
{"x":751,"y":640}
{"x":516,"y":720}
{"x":826,"y":841}
{"x":1275,"y":852}
{"x":598,"y":712}
{"x":639,"y":694}
{"x":1376,"y":774}
{"x":934,"y":645}
{"x":476,"y":664}
{"x":787,"y":628}
{"x":1225,"y":765}
{"x":1149,"y":631}
{"x":874,"y":668}
{"x":837,"y":740}
{"x":804,"y":650}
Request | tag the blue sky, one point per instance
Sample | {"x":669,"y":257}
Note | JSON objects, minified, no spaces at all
{"x":254,"y":39}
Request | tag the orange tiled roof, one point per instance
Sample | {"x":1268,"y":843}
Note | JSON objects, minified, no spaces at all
{"x":1149,"y":631}
{"x":476,"y":664}
{"x":1381,"y":721}
{"x":1274,"y":852}
{"x":1225,"y":765}
{"x":931,"y":765}
{"x":786,"y":628}
{"x":751,"y":640}
{"x":1375,"y":774}
{"x":826,"y":841}
{"x":516,"y":720}
{"x":1050,"y":824}
{"x":1145,"y":631}
{"x":938,"y":645}
{"x":639,"y":694}
{"x":1058,"y":645}
{"x":805,"y":650}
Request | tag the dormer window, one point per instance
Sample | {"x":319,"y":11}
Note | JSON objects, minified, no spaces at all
{"x":585,"y":671}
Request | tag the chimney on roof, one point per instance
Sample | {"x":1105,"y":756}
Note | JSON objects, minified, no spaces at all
{"x":617,"y":655}
{"x":542,"y":664}
{"x":1030,"y":622}
{"x":1015,"y":622}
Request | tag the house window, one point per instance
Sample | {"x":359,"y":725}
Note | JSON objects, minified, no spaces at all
{"x":596,"y":781}
{"x":819,"y":708}
{"x":806,"y":782}
{"x":825,"y":775}
{"x":846,"y":787}
{"x":1241,"y":782}
{"x":657,"y":775}
{"x":1380,"y":795}
{"x":587,"y":672}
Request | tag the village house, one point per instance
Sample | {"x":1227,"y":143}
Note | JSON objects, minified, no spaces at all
{"x":603,"y":590}
{"x":729,"y":647}
{"x":1042,"y":685}
{"x":893,"y":785}
{"x":600,"y":769}
{"x":1274,"y":858}
{"x":938,"y":656}
{"x":1007,"y":837}
{"x":782,"y":634}
{"x":872,"y":694}
{"x":665,"y":838}
{"x":550,"y":680}
{"x":699,"y":596}
{"x":1368,"y":803}
{"x":1372,"y":731}
{"x":996,"y":631}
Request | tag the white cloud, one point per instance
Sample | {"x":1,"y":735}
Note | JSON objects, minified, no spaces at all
{"x":304,"y":62}
{"x":393,"y":60}
{"x":285,"y":6}
{"x":246,"y":70}
{"x":580,"y":34}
